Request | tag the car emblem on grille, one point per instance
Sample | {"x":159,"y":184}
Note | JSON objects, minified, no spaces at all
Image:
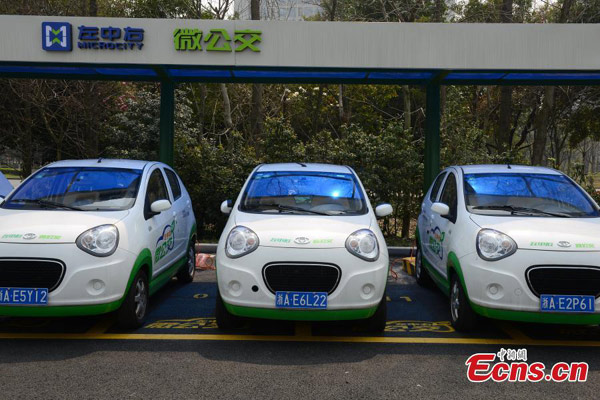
{"x":302,"y":240}
{"x":29,"y":236}
{"x":564,"y":244}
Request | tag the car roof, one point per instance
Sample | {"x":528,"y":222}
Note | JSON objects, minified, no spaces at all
{"x":103,"y":163}
{"x":507,"y":168}
{"x":304,"y":167}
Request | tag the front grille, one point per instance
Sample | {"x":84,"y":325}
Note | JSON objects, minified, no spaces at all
{"x":569,"y":280}
{"x":301,"y":277}
{"x":31,"y":273}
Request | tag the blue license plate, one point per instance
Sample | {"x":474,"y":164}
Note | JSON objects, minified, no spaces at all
{"x":23,"y":296}
{"x":301,"y":300}
{"x":567,"y":303}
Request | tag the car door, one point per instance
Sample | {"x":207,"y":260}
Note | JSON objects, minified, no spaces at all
{"x":160,"y":226}
{"x":181,"y":213}
{"x":440,"y":234}
{"x":426,"y":217}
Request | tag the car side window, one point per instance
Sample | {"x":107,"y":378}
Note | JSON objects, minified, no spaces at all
{"x":450,"y":197}
{"x":436,"y":186}
{"x":157,"y":190}
{"x":174,"y":183}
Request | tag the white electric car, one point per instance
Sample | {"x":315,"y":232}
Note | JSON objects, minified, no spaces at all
{"x":302,"y":243}
{"x":511,"y":242}
{"x":92,"y":236}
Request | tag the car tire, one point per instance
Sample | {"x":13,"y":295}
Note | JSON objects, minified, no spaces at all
{"x":188,"y":270}
{"x":377,"y":322}
{"x":225,"y":319}
{"x":462,"y":316}
{"x":132,"y":313}
{"x":421,"y":273}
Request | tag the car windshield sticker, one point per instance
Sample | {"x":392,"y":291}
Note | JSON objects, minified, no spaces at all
{"x":435,"y":242}
{"x":166,"y":242}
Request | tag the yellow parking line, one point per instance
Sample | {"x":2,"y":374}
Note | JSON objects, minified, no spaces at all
{"x":267,"y":338}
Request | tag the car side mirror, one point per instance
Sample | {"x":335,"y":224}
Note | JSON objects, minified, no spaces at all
{"x":383,"y":210}
{"x":159,"y":206}
{"x":226,"y":207}
{"x":441,"y":209}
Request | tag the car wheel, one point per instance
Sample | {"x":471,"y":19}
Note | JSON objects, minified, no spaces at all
{"x":376,"y":323}
{"x":462,"y":315}
{"x":421,"y":274}
{"x":186,"y":272}
{"x":132,"y":312}
{"x":225,"y":319}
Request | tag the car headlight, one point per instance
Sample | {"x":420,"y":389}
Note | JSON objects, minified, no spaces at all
{"x":363,"y":244}
{"x":101,"y":241}
{"x":240,"y":242}
{"x":493,"y":245}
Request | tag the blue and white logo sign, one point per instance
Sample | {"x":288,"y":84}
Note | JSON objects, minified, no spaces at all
{"x":56,"y":36}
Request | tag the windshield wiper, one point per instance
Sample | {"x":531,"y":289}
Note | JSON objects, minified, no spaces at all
{"x":282,"y":207}
{"x":48,"y":203}
{"x":522,"y":210}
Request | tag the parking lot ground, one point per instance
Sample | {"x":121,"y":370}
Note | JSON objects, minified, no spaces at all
{"x":415,"y":315}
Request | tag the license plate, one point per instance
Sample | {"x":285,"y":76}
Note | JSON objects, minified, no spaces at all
{"x":23,"y":296}
{"x":567,"y":303}
{"x":301,"y":300}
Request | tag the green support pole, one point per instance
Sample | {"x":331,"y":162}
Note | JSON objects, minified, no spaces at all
{"x":432,"y":134}
{"x":167,"y":127}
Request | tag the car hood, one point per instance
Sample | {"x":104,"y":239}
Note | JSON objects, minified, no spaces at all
{"x":51,"y":226}
{"x":549,"y":234}
{"x":303,"y":231}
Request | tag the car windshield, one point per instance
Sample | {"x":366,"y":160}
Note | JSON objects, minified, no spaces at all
{"x":320,"y":193}
{"x":77,"y":188}
{"x":543,"y":195}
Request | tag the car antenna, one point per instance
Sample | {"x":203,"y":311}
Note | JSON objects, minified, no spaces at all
{"x":302,"y":164}
{"x":99,"y":160}
{"x":508,"y":166}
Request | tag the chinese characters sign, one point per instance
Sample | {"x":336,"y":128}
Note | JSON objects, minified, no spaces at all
{"x":110,"y":38}
{"x":192,"y":39}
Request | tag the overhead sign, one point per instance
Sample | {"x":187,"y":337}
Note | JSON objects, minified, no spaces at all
{"x":216,"y":40}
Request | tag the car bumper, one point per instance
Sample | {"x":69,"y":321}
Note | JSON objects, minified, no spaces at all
{"x":349,"y":300}
{"x":500,"y":290}
{"x":90,"y":285}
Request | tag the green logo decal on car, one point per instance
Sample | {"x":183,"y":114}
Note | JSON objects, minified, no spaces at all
{"x":280,"y":240}
{"x":166,"y":242}
{"x":584,"y":246}
{"x":322,"y":241}
{"x":541,"y":244}
{"x":435,"y":241}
